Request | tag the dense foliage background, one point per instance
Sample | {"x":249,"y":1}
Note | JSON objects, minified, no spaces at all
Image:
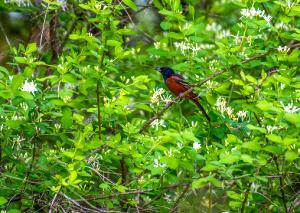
{"x":81,"y":123}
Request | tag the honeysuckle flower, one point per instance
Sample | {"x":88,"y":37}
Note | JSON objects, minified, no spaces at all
{"x":241,"y":114}
{"x":223,"y":34}
{"x":156,"y":123}
{"x":24,"y":106}
{"x":63,"y":4}
{"x":284,"y":49}
{"x":283,"y":26}
{"x":221,"y":104}
{"x":29,"y":87}
{"x":252,"y":12}
{"x":194,"y":123}
{"x":213,"y":27}
{"x":19,"y":2}
{"x":157,"y":95}
{"x":290,"y":4}
{"x":67,"y":99}
{"x":270,"y":129}
{"x":166,"y":98}
{"x":290,"y":108}
{"x":168,"y":153}
{"x":196,"y":145}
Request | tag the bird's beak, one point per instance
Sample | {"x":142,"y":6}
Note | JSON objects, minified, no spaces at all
{"x":158,"y":69}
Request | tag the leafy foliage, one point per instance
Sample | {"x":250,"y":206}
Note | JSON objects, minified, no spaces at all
{"x":74,"y":105}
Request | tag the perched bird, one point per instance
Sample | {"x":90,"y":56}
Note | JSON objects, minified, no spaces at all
{"x":177,"y":86}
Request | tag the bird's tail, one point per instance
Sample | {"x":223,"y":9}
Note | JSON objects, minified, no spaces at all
{"x":201,"y":108}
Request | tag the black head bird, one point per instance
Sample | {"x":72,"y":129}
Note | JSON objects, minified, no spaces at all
{"x":177,"y":86}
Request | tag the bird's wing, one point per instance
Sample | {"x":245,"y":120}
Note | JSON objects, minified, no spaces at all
{"x":179,"y":79}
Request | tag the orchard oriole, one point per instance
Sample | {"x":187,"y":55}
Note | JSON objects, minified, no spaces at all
{"x":177,"y":86}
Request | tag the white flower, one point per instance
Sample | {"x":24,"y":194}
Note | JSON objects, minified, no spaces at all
{"x":166,"y":98}
{"x":157,"y":45}
{"x":29,"y":87}
{"x":157,"y":95}
{"x":196,"y":145}
{"x":242,"y":114}
{"x":24,"y":106}
{"x":213,"y":27}
{"x":270,"y":129}
{"x":290,"y":4}
{"x":194,"y":124}
{"x":221,"y":104}
{"x":223,"y":34}
{"x":67,"y":99}
{"x":283,"y":26}
{"x":19,"y":2}
{"x":63,"y":4}
{"x":283,"y":49}
{"x":185,"y":27}
{"x":168,"y":153}
{"x":250,"y":13}
{"x":230,"y":112}
{"x":156,"y":123}
{"x":290,"y":108}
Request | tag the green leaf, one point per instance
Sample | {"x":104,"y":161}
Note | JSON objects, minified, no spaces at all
{"x":273,"y":149}
{"x":31,"y":48}
{"x":174,"y":35}
{"x":199,"y":183}
{"x":274,"y":138}
{"x":130,"y":4}
{"x":290,"y":156}
{"x":165,"y":25}
{"x":3,"y":200}
{"x":229,"y":159}
{"x":171,"y":162}
{"x":21,"y":60}
{"x":72,"y":176}
{"x":288,"y":141}
{"x":293,"y":118}
{"x":113,"y":43}
{"x":234,"y":195}
{"x":70,"y":78}
{"x":254,"y":146}
{"x":260,"y":129}
{"x":4,"y":70}
{"x":267,"y":106}
{"x":67,"y":119}
{"x":17,"y":82}
{"x":247,"y":158}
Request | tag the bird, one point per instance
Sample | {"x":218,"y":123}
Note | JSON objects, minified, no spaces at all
{"x":177,"y":85}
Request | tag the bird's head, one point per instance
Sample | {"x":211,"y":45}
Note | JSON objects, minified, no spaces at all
{"x":165,"y":71}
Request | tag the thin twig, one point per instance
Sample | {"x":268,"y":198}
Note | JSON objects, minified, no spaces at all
{"x":133,"y":192}
{"x":53,"y":201}
{"x":181,"y":196}
{"x":245,"y":198}
{"x":43,"y":27}
{"x":146,"y":34}
{"x":283,"y":197}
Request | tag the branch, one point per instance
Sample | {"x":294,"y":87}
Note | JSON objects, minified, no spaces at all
{"x":283,"y":197}
{"x":53,"y":201}
{"x":135,"y":26}
{"x":245,"y":198}
{"x":169,"y":104}
{"x":176,"y":203}
{"x":132,"y":192}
